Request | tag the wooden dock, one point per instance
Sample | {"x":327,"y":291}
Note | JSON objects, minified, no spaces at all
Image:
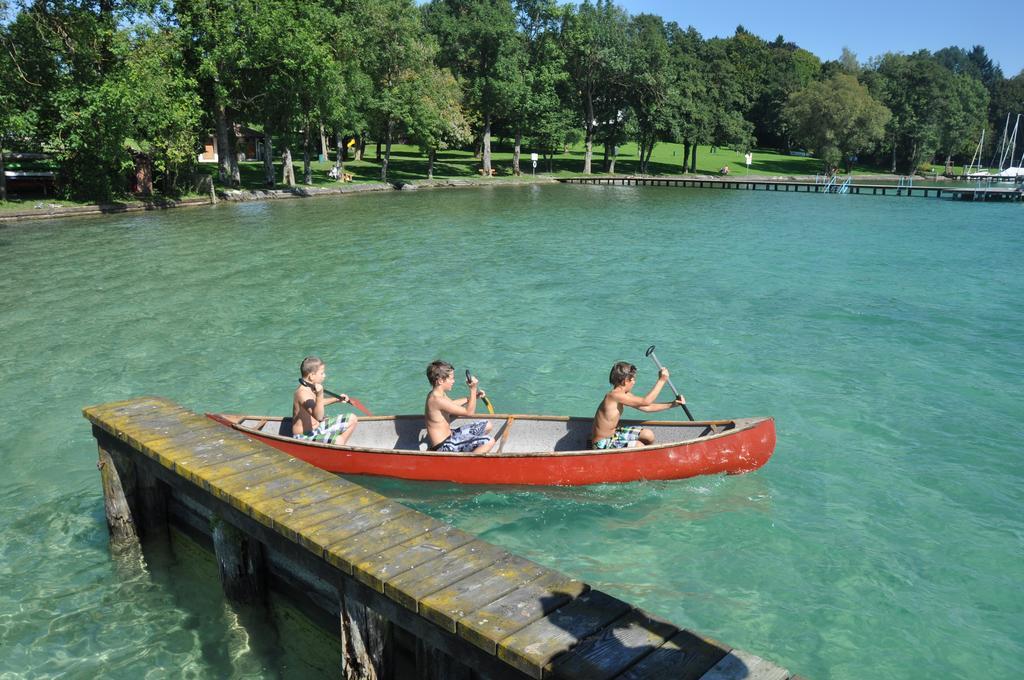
{"x":394,"y":583}
{"x":751,"y":184}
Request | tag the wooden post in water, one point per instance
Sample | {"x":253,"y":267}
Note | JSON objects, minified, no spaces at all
{"x":117,"y":473}
{"x":240,"y":558}
{"x":366,"y":640}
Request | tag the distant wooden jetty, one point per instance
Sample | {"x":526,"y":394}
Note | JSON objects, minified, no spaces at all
{"x":398,"y":584}
{"x":985,"y":193}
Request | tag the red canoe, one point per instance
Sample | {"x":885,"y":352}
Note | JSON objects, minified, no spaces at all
{"x":544,"y":450}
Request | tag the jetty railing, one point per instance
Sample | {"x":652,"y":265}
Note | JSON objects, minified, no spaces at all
{"x":396,"y":583}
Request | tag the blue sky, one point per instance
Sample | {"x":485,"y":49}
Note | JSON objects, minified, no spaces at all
{"x":868,"y":27}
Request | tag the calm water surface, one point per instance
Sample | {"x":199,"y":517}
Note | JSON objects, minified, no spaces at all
{"x":886,"y":335}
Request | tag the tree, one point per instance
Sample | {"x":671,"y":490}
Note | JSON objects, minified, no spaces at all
{"x":17,"y":123}
{"x":534,"y":73}
{"x":215,"y":39}
{"x":163,"y":106}
{"x":837,"y":118}
{"x":964,"y":116}
{"x":1008,"y":98}
{"x":594,"y":43}
{"x":475,"y":37}
{"x":690,"y":115}
{"x":62,"y":52}
{"x":848,"y":62}
{"x":396,"y":73}
{"x":435,"y":117}
{"x":913,"y":87}
{"x":787,"y":69}
{"x":729,"y":98}
{"x":651,"y":86}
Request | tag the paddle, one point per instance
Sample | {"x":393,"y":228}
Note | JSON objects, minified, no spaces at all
{"x":355,"y":402}
{"x":654,"y":357}
{"x":487,"y":402}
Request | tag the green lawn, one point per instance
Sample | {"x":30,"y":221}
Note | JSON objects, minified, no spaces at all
{"x":408,"y":164}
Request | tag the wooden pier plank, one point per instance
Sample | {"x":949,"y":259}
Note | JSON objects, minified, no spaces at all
{"x":531,"y":649}
{"x":110,"y":414}
{"x":295,"y":524}
{"x":193,"y":463}
{"x":271,"y":511}
{"x":687,"y":656}
{"x":740,"y":665}
{"x":410,"y":587}
{"x":351,"y":519}
{"x":377,"y":568}
{"x":144,"y":431}
{"x":446,"y":606}
{"x":266,"y":482}
{"x":209,"y":475}
{"x":613,"y":650}
{"x":352,"y":551}
{"x":497,"y":620}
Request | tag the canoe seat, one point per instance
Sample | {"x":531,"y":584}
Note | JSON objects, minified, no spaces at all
{"x":281,"y":427}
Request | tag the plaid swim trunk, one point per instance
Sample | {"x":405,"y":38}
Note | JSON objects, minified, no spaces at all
{"x":465,"y":438}
{"x":328,"y":431}
{"x":621,"y":439}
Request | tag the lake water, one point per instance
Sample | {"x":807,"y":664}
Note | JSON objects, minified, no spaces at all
{"x":886,"y":335}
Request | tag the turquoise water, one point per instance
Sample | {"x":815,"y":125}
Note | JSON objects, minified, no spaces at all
{"x":884,"y":538}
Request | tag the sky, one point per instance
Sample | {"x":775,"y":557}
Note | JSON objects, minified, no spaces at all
{"x":868,"y":28}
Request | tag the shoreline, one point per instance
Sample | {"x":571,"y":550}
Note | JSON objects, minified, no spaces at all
{"x":248,"y":195}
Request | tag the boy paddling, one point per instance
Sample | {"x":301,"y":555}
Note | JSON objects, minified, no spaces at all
{"x":308,"y":404}
{"x":606,"y":433}
{"x":439,"y":409}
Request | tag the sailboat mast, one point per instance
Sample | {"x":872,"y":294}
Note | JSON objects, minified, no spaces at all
{"x":1013,"y":140}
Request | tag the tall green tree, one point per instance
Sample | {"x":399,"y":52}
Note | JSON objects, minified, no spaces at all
{"x":964,"y":116}
{"x":690,"y":105}
{"x":594,"y":41}
{"x":17,"y":121}
{"x":63,"y":52}
{"x":476,"y":37}
{"x":535,"y":73}
{"x":436,"y":120}
{"x":217,"y":37}
{"x":161,"y":107}
{"x":651,"y":87}
{"x":729,"y":99}
{"x":837,"y":118}
{"x":787,"y":70}
{"x":400,"y":72}
{"x":913,"y":87}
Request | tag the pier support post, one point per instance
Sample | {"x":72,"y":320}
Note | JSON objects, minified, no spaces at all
{"x":240,"y":558}
{"x":366,"y":640}
{"x":117,"y":473}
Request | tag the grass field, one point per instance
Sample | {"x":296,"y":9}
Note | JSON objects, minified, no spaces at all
{"x":408,"y":164}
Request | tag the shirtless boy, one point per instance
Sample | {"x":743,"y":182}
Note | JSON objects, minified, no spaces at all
{"x":606,"y":433}
{"x":439,"y":410}
{"x":308,"y":404}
